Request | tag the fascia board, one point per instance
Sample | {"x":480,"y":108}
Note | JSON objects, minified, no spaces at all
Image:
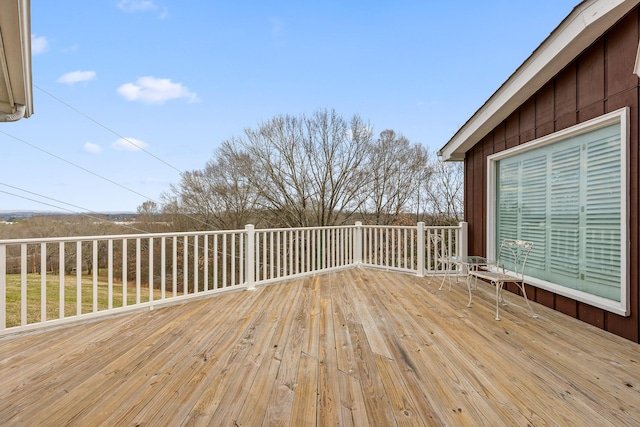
{"x":584,"y":25}
{"x":24,"y":19}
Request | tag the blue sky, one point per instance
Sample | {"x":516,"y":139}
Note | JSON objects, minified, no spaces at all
{"x":179,"y":77}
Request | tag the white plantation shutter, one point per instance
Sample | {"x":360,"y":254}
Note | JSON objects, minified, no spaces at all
{"x":508,"y":201}
{"x":534,"y":208}
{"x":564,"y":218}
{"x":566,"y":198}
{"x":602,"y":217}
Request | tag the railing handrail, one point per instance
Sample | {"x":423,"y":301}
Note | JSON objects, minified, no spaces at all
{"x":36,"y":240}
{"x":402,"y":227}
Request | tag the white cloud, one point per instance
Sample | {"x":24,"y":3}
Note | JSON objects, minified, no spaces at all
{"x":76,"y":77}
{"x":131,"y":6}
{"x":72,"y":48}
{"x":277,"y":26}
{"x":129,"y":144}
{"x":39,"y":44}
{"x":164,"y":13}
{"x":155,"y":91}
{"x":90,"y":147}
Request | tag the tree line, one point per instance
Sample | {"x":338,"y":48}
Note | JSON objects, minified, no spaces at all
{"x":312,"y":170}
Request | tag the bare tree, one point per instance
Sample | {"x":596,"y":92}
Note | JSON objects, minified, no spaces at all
{"x":308,"y":170}
{"x":218,"y":196}
{"x":150,"y":218}
{"x":320,"y":169}
{"x":444,"y":192}
{"x":148,"y":208}
{"x":397,"y":170}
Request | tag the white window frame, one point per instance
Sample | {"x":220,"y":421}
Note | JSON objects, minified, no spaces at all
{"x":620,"y":116}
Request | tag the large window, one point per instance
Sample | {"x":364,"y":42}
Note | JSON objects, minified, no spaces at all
{"x":567,"y":193}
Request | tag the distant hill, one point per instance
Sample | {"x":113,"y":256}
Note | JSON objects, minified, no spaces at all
{"x":12,"y":216}
{"x":17,"y":215}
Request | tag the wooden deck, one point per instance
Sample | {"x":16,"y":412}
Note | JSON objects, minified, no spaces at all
{"x":357,"y":347}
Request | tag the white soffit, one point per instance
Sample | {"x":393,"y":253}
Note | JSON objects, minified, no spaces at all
{"x":585,"y":24}
{"x":16,"y":93}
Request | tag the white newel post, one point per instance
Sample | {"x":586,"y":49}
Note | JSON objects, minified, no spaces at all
{"x":250,"y":256}
{"x":421,"y":249}
{"x":463,"y":244}
{"x":358,"y":244}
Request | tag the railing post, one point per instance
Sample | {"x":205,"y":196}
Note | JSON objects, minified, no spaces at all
{"x":358,"y":244}
{"x":250,"y":260}
{"x":421,"y":249}
{"x":463,"y":244}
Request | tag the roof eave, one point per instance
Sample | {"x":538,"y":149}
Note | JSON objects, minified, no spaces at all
{"x":584,"y":25}
{"x":15,"y":48}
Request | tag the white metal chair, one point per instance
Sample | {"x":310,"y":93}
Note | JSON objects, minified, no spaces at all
{"x":442,"y":257}
{"x":513,"y":253}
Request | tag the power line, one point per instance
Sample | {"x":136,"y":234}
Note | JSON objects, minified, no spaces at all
{"x":94,"y":174}
{"x":45,"y":197}
{"x":198,"y":220}
{"x":90,"y":172}
{"x":76,"y":165}
{"x":63,"y":208}
{"x":108,"y":129}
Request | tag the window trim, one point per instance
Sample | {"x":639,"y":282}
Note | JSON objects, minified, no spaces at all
{"x":620,"y":116}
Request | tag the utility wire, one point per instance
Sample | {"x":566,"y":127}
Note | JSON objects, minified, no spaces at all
{"x":45,"y":197}
{"x":94,"y":173}
{"x":68,"y":204}
{"x":108,"y":129}
{"x":76,"y":165}
{"x":65,"y":203}
{"x":198,"y":220}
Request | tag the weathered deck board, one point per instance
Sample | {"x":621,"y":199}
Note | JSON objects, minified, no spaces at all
{"x":279,"y":407}
{"x":353,"y":348}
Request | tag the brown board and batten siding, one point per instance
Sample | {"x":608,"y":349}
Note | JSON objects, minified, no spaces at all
{"x":598,"y":81}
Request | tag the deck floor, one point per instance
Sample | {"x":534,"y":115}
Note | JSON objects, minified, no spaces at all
{"x":356,"y":347}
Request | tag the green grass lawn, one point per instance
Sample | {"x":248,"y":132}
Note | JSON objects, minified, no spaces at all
{"x":70,"y":297}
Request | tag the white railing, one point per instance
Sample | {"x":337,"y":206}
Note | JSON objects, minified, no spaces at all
{"x":409,"y":249}
{"x":49,"y":281}
{"x":293,"y":252}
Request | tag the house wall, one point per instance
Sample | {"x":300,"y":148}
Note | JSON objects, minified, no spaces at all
{"x":599,"y":81}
